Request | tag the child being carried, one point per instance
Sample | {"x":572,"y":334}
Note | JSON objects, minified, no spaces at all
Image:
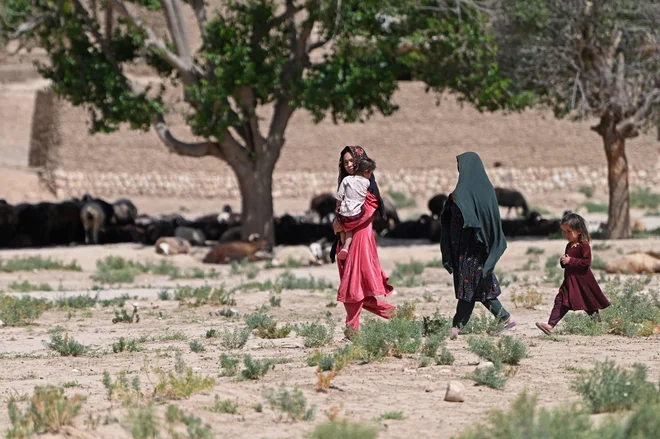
{"x":350,"y":199}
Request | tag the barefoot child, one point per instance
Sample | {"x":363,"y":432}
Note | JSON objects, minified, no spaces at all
{"x":350,"y":199}
{"x":580,"y":291}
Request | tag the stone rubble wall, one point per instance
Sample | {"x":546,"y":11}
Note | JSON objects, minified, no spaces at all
{"x":418,"y":183}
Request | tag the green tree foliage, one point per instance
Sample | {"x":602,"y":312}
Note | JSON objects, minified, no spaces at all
{"x":336,"y":58}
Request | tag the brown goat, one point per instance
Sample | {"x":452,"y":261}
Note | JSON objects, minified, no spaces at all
{"x":225,"y":252}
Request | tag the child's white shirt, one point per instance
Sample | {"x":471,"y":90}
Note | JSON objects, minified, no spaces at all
{"x":352,"y":193}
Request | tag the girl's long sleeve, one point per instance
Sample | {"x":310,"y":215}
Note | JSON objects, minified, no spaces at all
{"x":584,"y":260}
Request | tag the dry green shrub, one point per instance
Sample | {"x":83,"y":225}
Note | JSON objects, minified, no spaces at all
{"x":491,"y":377}
{"x":379,"y":339}
{"x":609,"y":388}
{"x":235,"y":339}
{"x":316,"y":334}
{"x":224,"y":406}
{"x":127,"y":345}
{"x":49,"y":410}
{"x":21,"y":311}
{"x":181,"y":382}
{"x":228,"y":365}
{"x":344,"y":430}
{"x":255,"y":369}
{"x":204,"y":295}
{"x":527,"y":298}
{"x":526,"y":420}
{"x":508,"y":349}
{"x":290,"y":404}
{"x":66,"y":346}
{"x":272,"y":331}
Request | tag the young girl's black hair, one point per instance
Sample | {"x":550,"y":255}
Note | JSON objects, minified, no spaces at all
{"x":577,"y":223}
{"x":364,"y":165}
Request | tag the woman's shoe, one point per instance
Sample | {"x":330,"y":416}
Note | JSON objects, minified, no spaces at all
{"x":343,"y":254}
{"x":454,"y":333}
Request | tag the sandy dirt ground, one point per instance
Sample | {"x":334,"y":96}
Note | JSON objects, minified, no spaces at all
{"x":362,"y":392}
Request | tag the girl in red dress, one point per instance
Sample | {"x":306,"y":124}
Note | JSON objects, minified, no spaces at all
{"x":361,"y":276}
{"x":580,"y":291}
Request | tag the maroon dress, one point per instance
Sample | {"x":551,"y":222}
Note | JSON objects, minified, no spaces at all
{"x":580,"y":291}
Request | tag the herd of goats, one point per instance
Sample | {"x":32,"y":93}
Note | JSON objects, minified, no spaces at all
{"x":90,"y":220}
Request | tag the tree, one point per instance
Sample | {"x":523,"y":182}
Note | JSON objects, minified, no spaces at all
{"x":338,"y":57}
{"x":587,"y":58}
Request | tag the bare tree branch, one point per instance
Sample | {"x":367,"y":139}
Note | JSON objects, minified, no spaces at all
{"x":28,"y":26}
{"x":630,"y":127}
{"x":189,"y":73}
{"x":335,"y":29}
{"x":108,"y":21}
{"x":281,"y":116}
{"x":200,"y":14}
{"x":246,"y":100}
{"x":200,"y":149}
{"x":290,"y":12}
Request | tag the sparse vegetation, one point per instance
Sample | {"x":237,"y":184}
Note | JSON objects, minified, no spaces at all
{"x":344,"y":430}
{"x":401,"y":200}
{"x":235,"y":339}
{"x":124,"y":317}
{"x":66,"y":346}
{"x":127,"y":345}
{"x":272,"y":331}
{"x":180,"y":383}
{"x":534,"y":251}
{"x":228,"y":365}
{"x":405,"y":274}
{"x":527,"y":298}
{"x":392,"y":416}
{"x":26,"y":287}
{"x":196,"y":346}
{"x":115,"y":269}
{"x":643,"y":198}
{"x":554,"y":274}
{"x":21,"y":311}
{"x":587,"y":191}
{"x":224,"y":406}
{"x":32,"y":263}
{"x":491,"y":377}
{"x":204,"y":295}
{"x":378,"y":339}
{"x":598,"y":263}
{"x":508,"y":349}
{"x":49,"y":410}
{"x":483,"y":324}
{"x":593,"y":207}
{"x":316,"y":334}
{"x":609,"y":388}
{"x":255,"y":369}
{"x":290,"y":404}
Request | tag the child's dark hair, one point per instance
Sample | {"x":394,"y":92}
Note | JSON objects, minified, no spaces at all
{"x":364,"y":165}
{"x":577,"y":223}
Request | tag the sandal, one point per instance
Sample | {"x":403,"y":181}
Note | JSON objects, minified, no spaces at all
{"x":547,"y":329}
{"x":454,"y":333}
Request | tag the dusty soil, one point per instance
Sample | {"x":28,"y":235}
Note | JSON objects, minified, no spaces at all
{"x":362,"y":392}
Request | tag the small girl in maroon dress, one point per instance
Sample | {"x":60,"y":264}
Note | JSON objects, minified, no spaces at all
{"x":580,"y":291}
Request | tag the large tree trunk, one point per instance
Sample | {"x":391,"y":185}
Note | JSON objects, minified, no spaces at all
{"x":257,"y":202}
{"x":618,"y":218}
{"x":255,"y":180}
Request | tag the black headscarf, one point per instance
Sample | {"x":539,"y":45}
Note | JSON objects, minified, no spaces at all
{"x":358,"y":154}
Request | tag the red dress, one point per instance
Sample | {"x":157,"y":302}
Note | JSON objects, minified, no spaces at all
{"x":360,"y":273}
{"x":580,"y":291}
